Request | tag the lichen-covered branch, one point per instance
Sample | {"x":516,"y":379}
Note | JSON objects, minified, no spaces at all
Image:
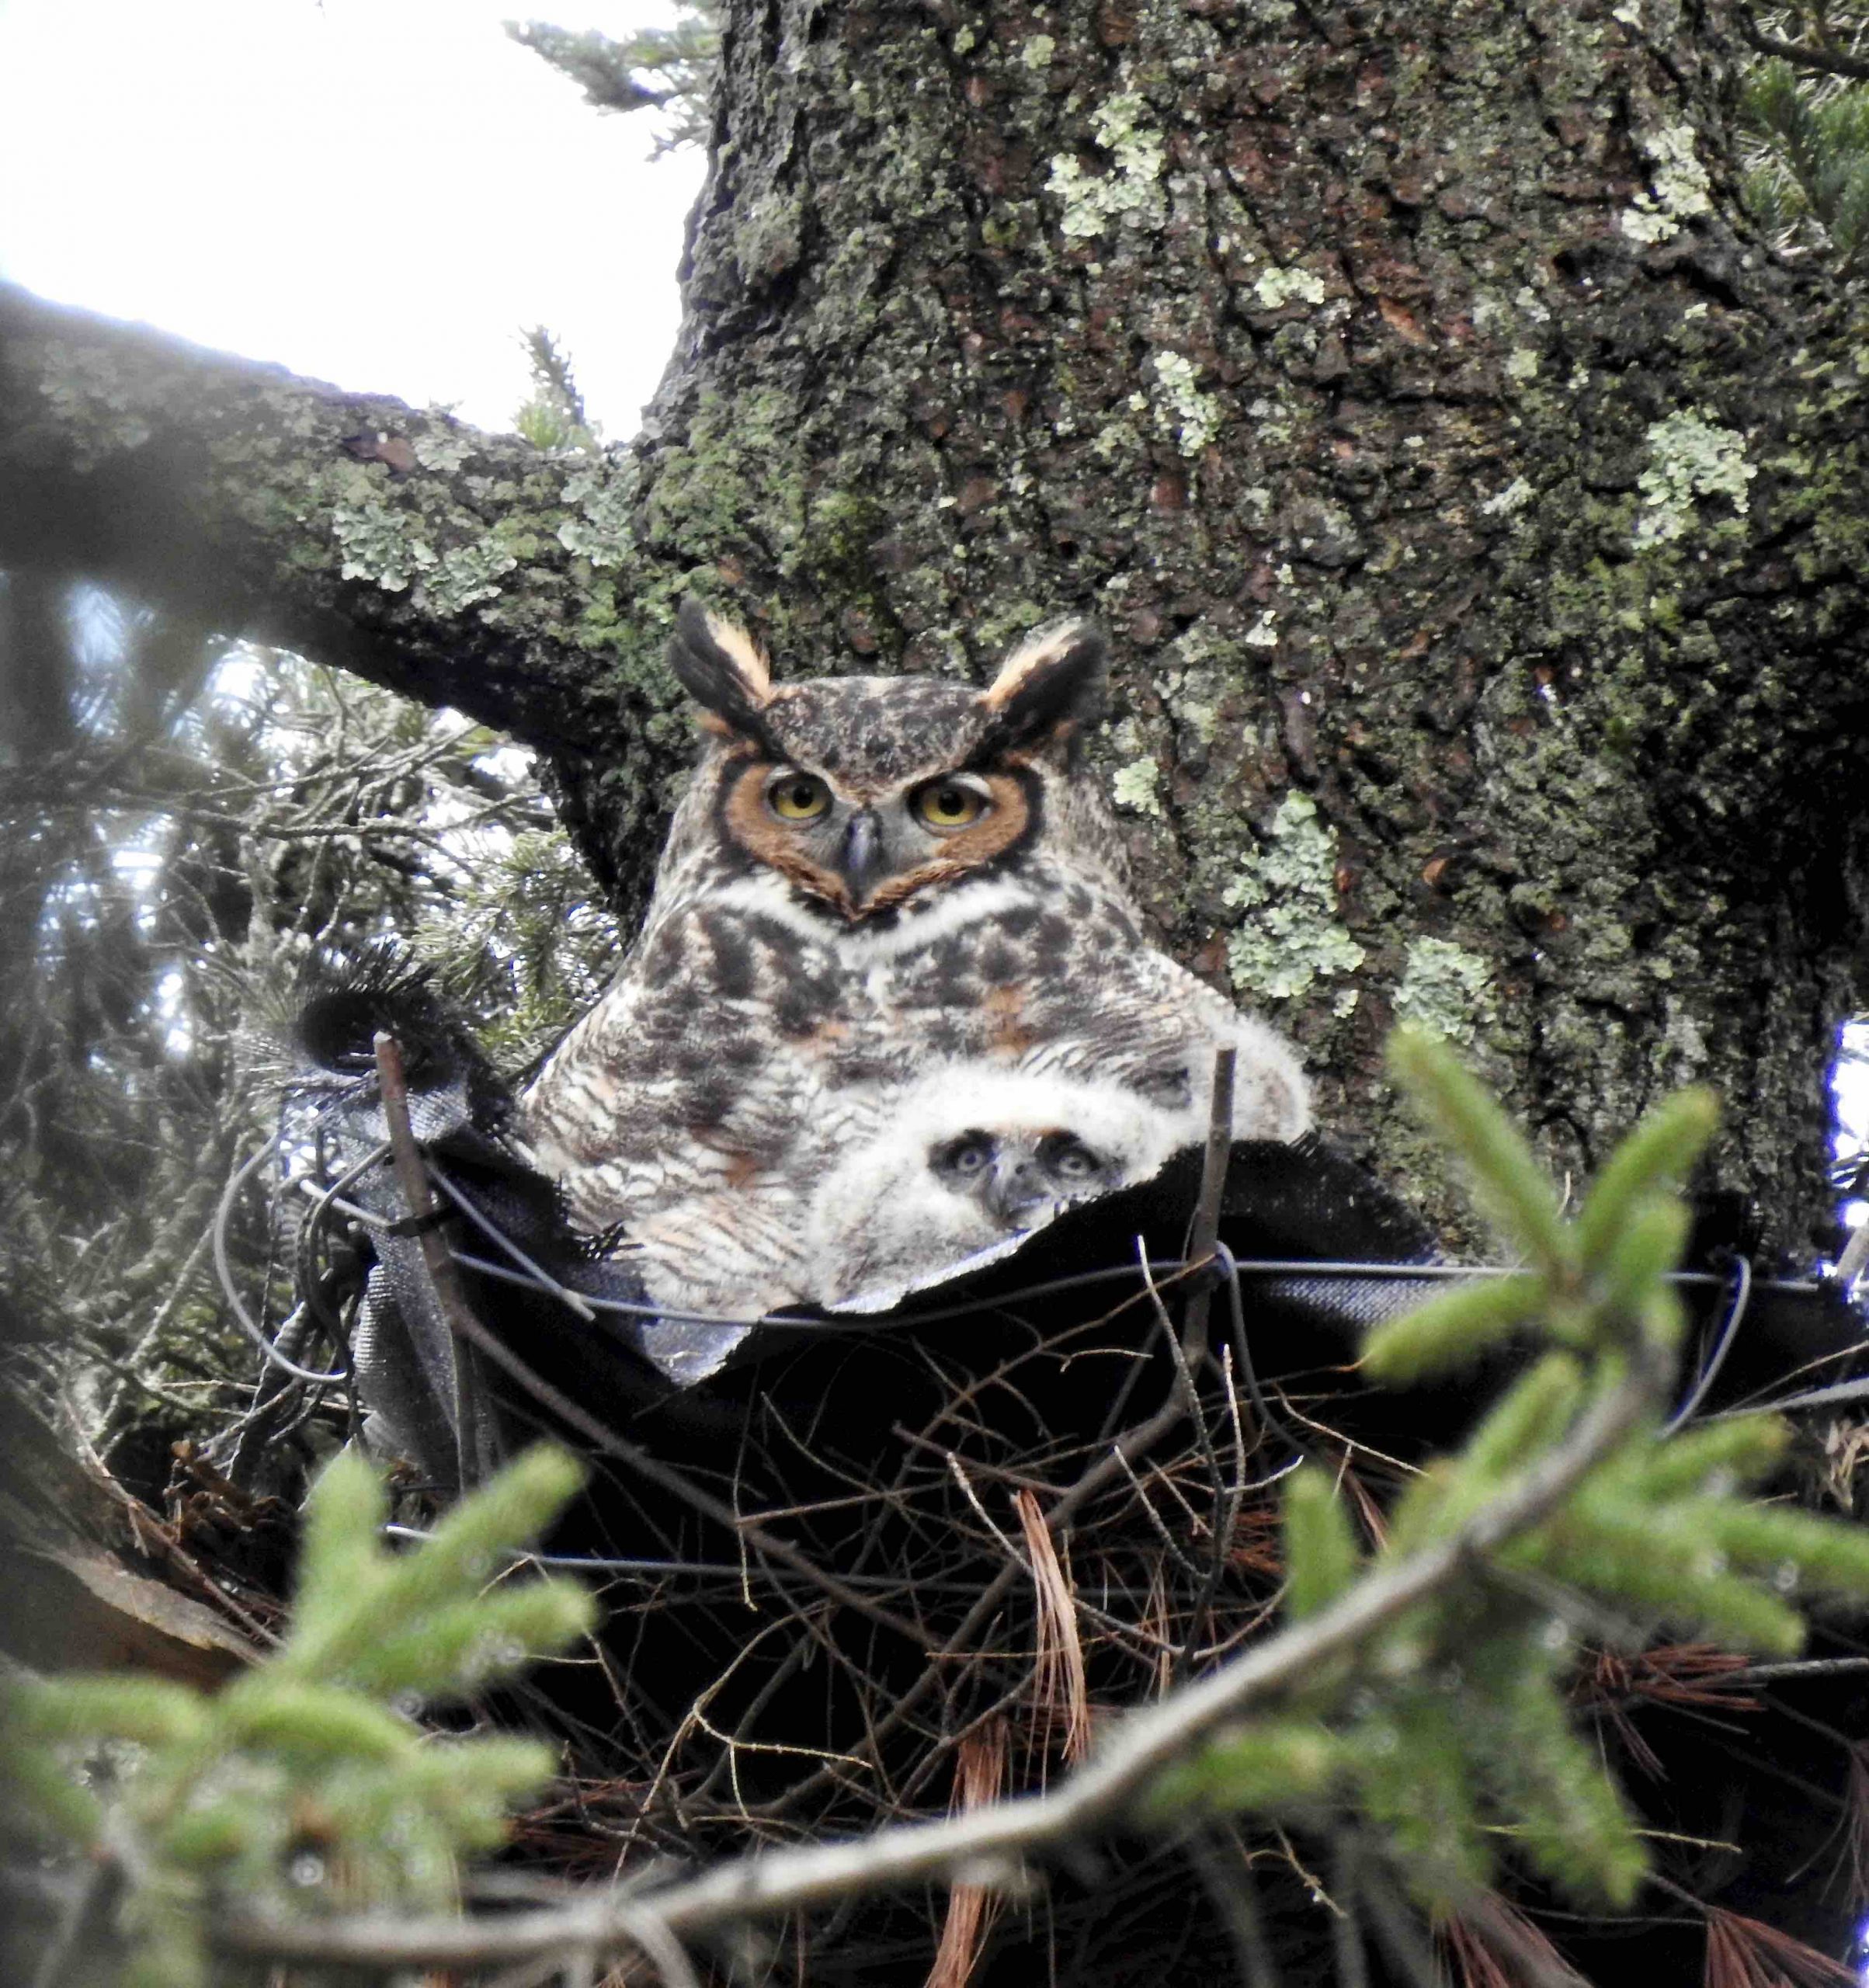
{"x":457,"y":567}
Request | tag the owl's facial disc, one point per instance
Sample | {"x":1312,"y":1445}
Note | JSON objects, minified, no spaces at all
{"x":860,"y":849}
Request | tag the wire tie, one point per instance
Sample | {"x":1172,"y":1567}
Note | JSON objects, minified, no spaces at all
{"x":417,"y":1225}
{"x":1216,"y":1269}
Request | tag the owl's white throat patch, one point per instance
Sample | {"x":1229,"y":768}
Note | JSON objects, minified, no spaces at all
{"x":915,"y":926}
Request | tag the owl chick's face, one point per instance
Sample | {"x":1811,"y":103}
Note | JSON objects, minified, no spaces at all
{"x":862,"y":792}
{"x":964,"y":1165}
{"x":1013,"y":1172}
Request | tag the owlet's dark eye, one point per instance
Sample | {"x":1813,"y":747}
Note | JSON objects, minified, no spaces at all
{"x":798,"y":797}
{"x":1071,"y":1159}
{"x":946,"y":804}
{"x":972,"y":1153}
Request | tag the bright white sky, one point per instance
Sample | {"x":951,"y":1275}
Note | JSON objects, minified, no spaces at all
{"x":381,"y":193}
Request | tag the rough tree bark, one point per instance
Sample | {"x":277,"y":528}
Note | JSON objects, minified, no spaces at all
{"x":1477,"y":503}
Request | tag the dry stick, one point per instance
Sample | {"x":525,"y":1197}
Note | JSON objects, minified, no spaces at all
{"x":988,"y":1843}
{"x":462,"y":1321}
{"x":1827,"y":61}
{"x":1205,"y":1232}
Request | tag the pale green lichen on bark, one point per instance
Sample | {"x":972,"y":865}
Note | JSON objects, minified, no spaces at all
{"x":1682,"y":188}
{"x":1192,"y":418}
{"x":1517,"y":495}
{"x":1136,"y":785}
{"x":379,"y":545}
{"x":603,"y":495}
{"x":1293,"y":937}
{"x":1092,"y":201}
{"x":1444,"y":987}
{"x":1276,"y":287}
{"x":443,"y":450}
{"x":1690,"y":457}
{"x":767,"y":237}
{"x":98,"y":405}
{"x":465,"y":575}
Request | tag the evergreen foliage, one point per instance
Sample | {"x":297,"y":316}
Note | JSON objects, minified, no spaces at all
{"x":1450,"y":1730}
{"x":1807,"y":131}
{"x":554,"y":415}
{"x":656,"y":68}
{"x":189,"y":822}
{"x":305,"y":1785}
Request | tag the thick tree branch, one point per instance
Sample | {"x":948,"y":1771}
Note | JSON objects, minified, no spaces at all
{"x":402,"y":545}
{"x":984,"y":1844}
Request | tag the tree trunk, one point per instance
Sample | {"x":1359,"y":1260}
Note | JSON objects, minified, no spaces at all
{"x":1477,"y":504}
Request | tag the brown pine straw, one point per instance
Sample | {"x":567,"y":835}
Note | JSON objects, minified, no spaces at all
{"x":1745,"y":1953}
{"x":1856,"y":1837}
{"x":1692,"y":1674}
{"x":980,"y":1777}
{"x":1058,"y":1680}
{"x":1491,"y":1944}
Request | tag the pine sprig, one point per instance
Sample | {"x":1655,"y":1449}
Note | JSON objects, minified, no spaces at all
{"x":305,"y":1783}
{"x":1452,"y":1732}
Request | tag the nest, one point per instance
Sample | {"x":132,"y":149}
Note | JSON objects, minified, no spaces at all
{"x":863,"y":1577}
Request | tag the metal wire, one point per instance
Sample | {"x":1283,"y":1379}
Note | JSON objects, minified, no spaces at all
{"x":731,"y":1570}
{"x":495,"y":1233}
{"x":224,"y":1272}
{"x":1742,"y":1278}
{"x":1233,"y":1272}
{"x":854,"y":1324}
{"x":1269,"y":1417}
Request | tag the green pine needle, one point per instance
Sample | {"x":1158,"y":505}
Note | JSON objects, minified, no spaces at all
{"x":1452,"y":1330}
{"x":1511,"y":1188}
{"x":1657,"y":1156}
{"x":1268,"y":1763}
{"x":214,"y":1807}
{"x":1322,"y":1557}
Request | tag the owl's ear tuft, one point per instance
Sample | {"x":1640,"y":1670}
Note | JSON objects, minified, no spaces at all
{"x":720,"y":665}
{"x":1049,"y":687}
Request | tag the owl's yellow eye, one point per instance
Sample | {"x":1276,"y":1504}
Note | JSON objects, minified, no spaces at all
{"x":947,"y":803}
{"x":798,"y":797}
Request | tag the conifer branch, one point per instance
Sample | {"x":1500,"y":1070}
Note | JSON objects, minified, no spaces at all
{"x":987,"y":1844}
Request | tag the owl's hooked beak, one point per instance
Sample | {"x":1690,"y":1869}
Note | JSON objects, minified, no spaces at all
{"x":1016,"y":1188}
{"x":861,"y":861}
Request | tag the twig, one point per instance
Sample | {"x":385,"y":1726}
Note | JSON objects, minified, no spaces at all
{"x":1829,"y":62}
{"x":1203,"y":1232}
{"x":982,"y":1847}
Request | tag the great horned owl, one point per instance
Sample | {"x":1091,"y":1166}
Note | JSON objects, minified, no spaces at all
{"x":967,"y":1163}
{"x":868,"y":879}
